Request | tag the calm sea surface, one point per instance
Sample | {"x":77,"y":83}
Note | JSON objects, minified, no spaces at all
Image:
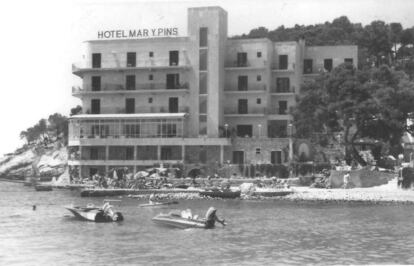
{"x":258,"y":232}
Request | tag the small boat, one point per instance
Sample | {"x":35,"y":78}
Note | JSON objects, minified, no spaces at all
{"x":217,"y":193}
{"x":175,"y":220}
{"x":275,"y":193}
{"x":94,"y":214}
{"x":157,"y":204}
{"x":40,"y":187}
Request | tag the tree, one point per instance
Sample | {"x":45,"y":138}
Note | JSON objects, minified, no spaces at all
{"x":372,"y":103}
{"x":395,"y":34}
{"x":260,"y":32}
{"x":76,"y":110}
{"x":58,"y":124}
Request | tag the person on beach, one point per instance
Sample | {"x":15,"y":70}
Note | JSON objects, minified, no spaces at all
{"x":211,"y":218}
{"x":152,"y":199}
{"x":346,"y":180}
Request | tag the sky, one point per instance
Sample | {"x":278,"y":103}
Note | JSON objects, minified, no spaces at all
{"x":41,"y":39}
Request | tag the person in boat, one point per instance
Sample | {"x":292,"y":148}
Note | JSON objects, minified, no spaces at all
{"x":107,"y":209}
{"x":211,"y":218}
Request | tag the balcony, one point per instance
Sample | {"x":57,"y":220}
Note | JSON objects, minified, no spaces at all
{"x":289,"y":68}
{"x":256,"y":88}
{"x":283,"y":91}
{"x":248,"y":65}
{"x":153,"y":109}
{"x":148,"y":64}
{"x":109,"y":88}
{"x":252,"y":111}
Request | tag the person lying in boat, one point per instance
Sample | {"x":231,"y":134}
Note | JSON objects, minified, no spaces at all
{"x":211,"y":218}
{"x":107,"y":209}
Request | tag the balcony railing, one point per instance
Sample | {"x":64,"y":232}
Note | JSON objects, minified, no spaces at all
{"x":253,"y":87}
{"x":138,"y":87}
{"x":289,"y":67}
{"x":153,"y":109}
{"x":292,"y":89}
{"x":250,"y":111}
{"x":237,"y":64}
{"x":116,"y":64}
{"x":277,"y":111}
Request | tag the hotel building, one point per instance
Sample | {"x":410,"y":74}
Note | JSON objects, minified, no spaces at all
{"x":202,"y":99}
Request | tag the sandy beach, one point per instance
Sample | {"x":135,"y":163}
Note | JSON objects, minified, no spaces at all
{"x":384,"y":193}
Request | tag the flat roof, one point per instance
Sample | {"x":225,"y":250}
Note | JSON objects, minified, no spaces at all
{"x":129,"y":116}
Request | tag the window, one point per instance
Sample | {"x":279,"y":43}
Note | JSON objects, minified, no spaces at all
{"x":173,"y":81}
{"x":96,"y":60}
{"x":131,"y":131}
{"x":242,"y":83}
{"x":203,"y":83}
{"x":202,"y":106}
{"x":258,"y":101}
{"x":203,"y":37}
{"x":283,"y":61}
{"x":276,"y":157}
{"x":95,"y":106}
{"x":150,"y":100}
{"x":202,"y":156}
{"x":96,"y":83}
{"x":241,"y":59}
{"x":327,"y":64}
{"x":151,"y":54}
{"x":242,"y":106}
{"x":130,"y":82}
{"x":202,"y":118}
{"x":307,"y":66}
{"x":259,"y":54}
{"x":129,"y":105}
{"x":174,"y":58}
{"x":129,"y":153}
{"x":238,"y":157}
{"x":282,"y":84}
{"x":277,"y":128}
{"x":94,"y":154}
{"x":150,"y":77}
{"x":349,"y":60}
{"x":259,"y":78}
{"x":244,"y":131}
{"x":173,"y":105}
{"x":203,"y":60}
{"x":282,"y":107}
{"x":131,"y":59}
{"x":167,"y":130}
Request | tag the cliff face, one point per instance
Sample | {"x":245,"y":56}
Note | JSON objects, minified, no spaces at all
{"x":36,"y":160}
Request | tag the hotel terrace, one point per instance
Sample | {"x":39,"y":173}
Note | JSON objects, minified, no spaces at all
{"x":202,"y":99}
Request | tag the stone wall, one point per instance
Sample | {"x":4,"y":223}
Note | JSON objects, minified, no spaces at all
{"x":360,"y":178}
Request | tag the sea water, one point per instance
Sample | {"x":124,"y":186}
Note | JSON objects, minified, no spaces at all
{"x":257,"y":232}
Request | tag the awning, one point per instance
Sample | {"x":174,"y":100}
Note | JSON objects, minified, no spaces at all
{"x":130,"y":116}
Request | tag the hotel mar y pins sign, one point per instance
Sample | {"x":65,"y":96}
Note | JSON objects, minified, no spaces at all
{"x":137,"y":33}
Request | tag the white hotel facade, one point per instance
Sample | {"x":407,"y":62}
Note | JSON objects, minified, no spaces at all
{"x":202,"y":99}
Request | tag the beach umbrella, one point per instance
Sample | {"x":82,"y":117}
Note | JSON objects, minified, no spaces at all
{"x":141,"y":174}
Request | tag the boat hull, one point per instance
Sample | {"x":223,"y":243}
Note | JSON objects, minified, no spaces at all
{"x":157,"y":204}
{"x":93,"y":215}
{"x":271,"y":193}
{"x":220,"y":194}
{"x":177,"y":221}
